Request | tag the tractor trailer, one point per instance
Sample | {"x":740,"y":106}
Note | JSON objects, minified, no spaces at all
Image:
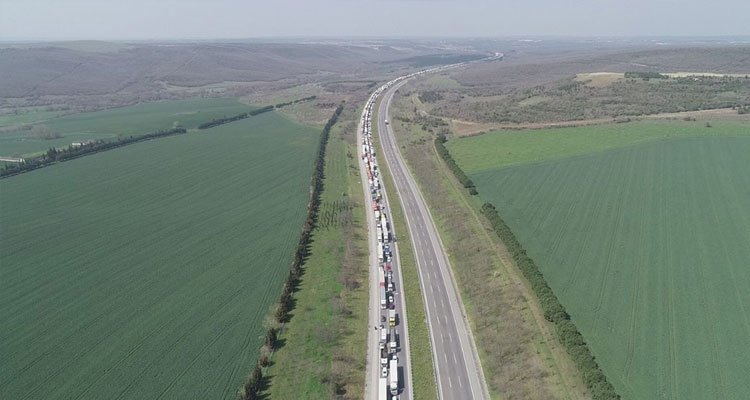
{"x":393,"y":377}
{"x":383,"y":389}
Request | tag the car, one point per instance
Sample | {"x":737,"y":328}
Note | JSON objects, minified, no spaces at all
{"x":384,"y":372}
{"x":390,"y":299}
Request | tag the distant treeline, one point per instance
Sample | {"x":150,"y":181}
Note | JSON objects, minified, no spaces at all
{"x":289,"y":103}
{"x":54,"y":155}
{"x":226,"y":120}
{"x":646,"y":75}
{"x":554,"y":311}
{"x":255,"y":384}
{"x":452,"y":165}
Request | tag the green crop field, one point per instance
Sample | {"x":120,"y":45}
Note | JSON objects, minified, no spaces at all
{"x":146,"y":271}
{"x":131,"y":120}
{"x":506,"y":148}
{"x":647,"y":245}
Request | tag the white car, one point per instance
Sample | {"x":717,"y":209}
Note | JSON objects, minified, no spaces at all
{"x":384,"y":372}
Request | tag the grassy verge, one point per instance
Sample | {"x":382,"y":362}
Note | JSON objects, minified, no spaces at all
{"x":520,"y":355}
{"x":323,"y":347}
{"x":423,"y":371}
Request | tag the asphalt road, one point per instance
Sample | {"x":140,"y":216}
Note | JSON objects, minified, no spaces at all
{"x":458,"y":370}
{"x":376,"y":313}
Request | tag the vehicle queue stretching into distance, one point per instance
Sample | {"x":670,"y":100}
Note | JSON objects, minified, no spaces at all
{"x":388,"y":339}
{"x":388,"y":384}
{"x":389,"y":381}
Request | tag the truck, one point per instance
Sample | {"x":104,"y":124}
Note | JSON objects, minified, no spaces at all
{"x":392,"y":317}
{"x":393,"y":377}
{"x":383,"y":335}
{"x":383,"y":357}
{"x":393,"y":344}
{"x":380,"y":251}
{"x":383,"y":389}
{"x":382,"y":295}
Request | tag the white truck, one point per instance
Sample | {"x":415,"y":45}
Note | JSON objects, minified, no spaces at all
{"x":383,"y":389}
{"x":380,"y":251}
{"x":392,"y":317}
{"x":382,"y":296}
{"x":393,"y":377}
{"x":392,"y":344}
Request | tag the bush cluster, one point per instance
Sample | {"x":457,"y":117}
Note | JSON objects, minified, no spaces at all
{"x":254,"y":383}
{"x":54,"y":155}
{"x":571,"y":338}
{"x":452,"y":165}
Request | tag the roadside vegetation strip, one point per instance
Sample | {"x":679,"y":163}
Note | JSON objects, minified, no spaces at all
{"x":420,"y":349}
{"x":647,"y":247}
{"x":255,"y":383}
{"x":148,"y":270}
{"x":467,"y":183}
{"x":597,"y":383}
{"x":323,"y":352}
{"x":519,"y":359}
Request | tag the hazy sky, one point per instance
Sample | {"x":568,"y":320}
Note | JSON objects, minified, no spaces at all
{"x":170,"y":19}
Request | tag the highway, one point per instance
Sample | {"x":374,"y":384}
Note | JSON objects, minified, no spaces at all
{"x":458,"y":370}
{"x":378,"y":316}
{"x":457,"y":366}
